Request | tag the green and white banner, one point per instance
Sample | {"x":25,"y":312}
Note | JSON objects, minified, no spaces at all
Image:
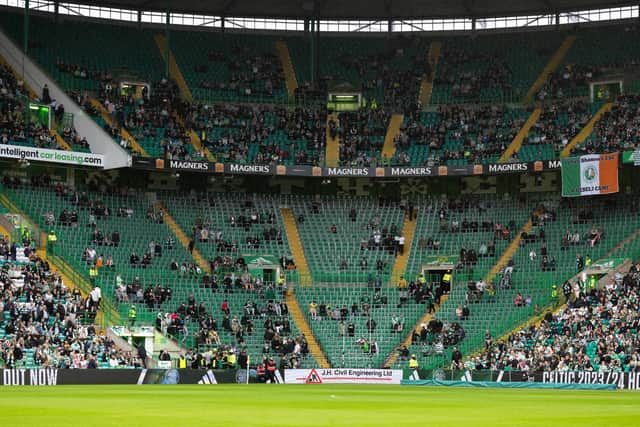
{"x":590,"y":175}
{"x":631,"y":157}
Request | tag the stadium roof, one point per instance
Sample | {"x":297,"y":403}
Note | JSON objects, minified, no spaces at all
{"x":363,"y":9}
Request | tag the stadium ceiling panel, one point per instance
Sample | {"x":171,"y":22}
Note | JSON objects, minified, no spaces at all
{"x":362,"y":9}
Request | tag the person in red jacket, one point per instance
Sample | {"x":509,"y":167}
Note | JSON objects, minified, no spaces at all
{"x":271,"y":371}
{"x":260,"y":369}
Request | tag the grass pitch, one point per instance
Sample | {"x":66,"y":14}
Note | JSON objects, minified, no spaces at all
{"x":321,"y":405}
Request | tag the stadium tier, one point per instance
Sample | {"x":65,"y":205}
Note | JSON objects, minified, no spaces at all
{"x":557,"y":126}
{"x":230,"y":67}
{"x":126,"y":91}
{"x":492,"y":68}
{"x":144,"y":263}
{"x":49,"y":129}
{"x":457,"y":135}
{"x":597,"y":54}
{"x":260,"y":134}
{"x":504,"y":255}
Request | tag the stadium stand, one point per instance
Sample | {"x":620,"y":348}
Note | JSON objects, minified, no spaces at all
{"x":356,"y":290}
{"x":144,"y":265}
{"x":361,"y":135}
{"x":455,"y":135}
{"x":595,"y":331}
{"x":387,"y":71}
{"x":47,"y":322}
{"x":545,"y":255}
{"x":260,"y":134}
{"x":617,"y":130}
{"x":241,"y":68}
{"x":555,"y":129}
{"x":348,"y":240}
{"x":249,"y":69}
{"x":490,"y":68}
{"x":16,"y":129}
{"x":596,"y":54}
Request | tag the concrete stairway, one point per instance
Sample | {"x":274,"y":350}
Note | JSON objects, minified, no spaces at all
{"x":287,"y":66}
{"x":515,"y":145}
{"x":297,"y":250}
{"x":586,"y":130}
{"x":400,"y":263}
{"x":303,"y":326}
{"x":393,"y":130}
{"x":182,"y":237}
{"x":551,"y":66}
{"x":426,"y":85}
{"x":332,"y":150}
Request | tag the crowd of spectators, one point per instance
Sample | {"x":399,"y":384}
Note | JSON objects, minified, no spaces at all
{"x":595,"y":331}
{"x":260,"y":134}
{"x":46,"y":323}
{"x":383,"y":81}
{"x":14,"y":129}
{"x":251,"y":74}
{"x":565,"y":83}
{"x":362,"y":136}
{"x":559,"y":123}
{"x":215,"y":342}
{"x":455,"y":133}
{"x":149,"y":117}
{"x":617,"y":130}
{"x":491,"y":72}
{"x":433,"y":338}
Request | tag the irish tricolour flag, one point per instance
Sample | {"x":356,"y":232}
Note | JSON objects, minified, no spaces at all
{"x":590,"y":175}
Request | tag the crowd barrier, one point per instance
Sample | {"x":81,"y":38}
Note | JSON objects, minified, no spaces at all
{"x":53,"y":377}
{"x":620,"y":380}
{"x":489,"y":384}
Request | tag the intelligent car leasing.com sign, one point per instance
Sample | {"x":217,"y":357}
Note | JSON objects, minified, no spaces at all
{"x":51,"y":156}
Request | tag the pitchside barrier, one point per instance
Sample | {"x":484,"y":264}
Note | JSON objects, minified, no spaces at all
{"x":342,"y":376}
{"x":489,"y":384}
{"x":53,"y":377}
{"x":621,"y":380}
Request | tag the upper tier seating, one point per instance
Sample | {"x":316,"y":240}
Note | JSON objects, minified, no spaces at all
{"x":597,"y":53}
{"x":557,"y":126}
{"x":260,"y":134}
{"x":457,"y":135}
{"x":230,"y":67}
{"x":16,"y":130}
{"x":617,"y":130}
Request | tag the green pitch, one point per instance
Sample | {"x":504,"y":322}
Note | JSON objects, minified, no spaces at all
{"x":304,"y":405}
